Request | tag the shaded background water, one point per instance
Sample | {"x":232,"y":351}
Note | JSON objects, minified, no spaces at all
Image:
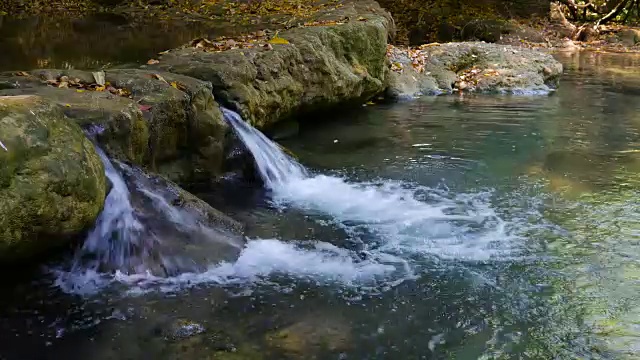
{"x":562,"y":282}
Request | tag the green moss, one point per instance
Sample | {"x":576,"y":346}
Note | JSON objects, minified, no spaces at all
{"x":53,"y":184}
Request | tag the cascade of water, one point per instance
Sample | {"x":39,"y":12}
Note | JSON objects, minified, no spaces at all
{"x":408,"y":217}
{"x":115,"y":237}
{"x":276,"y":168}
{"x":398,"y":223}
{"x":139,"y":231}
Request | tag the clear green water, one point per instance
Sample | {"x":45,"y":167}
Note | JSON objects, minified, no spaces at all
{"x":563,"y":283}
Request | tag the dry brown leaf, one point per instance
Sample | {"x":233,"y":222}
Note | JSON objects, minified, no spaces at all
{"x":159,"y":77}
{"x":153,"y":62}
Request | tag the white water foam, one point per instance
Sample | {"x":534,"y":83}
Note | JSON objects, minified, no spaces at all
{"x":409,"y":219}
{"x":319,"y":262}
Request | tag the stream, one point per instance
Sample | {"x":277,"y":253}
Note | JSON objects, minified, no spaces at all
{"x":450,"y":227}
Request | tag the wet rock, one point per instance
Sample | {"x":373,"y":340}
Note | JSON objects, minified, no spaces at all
{"x":316,"y":68}
{"x":52,"y":183}
{"x":190,"y":236}
{"x":312,"y":334}
{"x":471,"y":67}
{"x":183,"y":199}
{"x":166,"y":123}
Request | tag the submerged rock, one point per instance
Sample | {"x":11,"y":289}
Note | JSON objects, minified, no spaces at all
{"x":310,"y":335}
{"x":183,"y":329}
{"x":52,"y":182}
{"x":340,"y":59}
{"x":469,"y":67}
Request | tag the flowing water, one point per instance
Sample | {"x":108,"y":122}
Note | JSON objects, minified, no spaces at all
{"x":474,"y":227}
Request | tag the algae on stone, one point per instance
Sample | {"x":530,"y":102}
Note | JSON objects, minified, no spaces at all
{"x":169,"y":124}
{"x":52,"y":182}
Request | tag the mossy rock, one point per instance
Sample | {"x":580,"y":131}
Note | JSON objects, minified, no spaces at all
{"x":317,"y":68}
{"x":52,"y":182}
{"x":170,"y":124}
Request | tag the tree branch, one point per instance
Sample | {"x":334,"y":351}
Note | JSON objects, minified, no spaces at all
{"x":613,"y":13}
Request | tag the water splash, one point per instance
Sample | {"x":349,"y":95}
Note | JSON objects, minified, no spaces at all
{"x":405,"y":218}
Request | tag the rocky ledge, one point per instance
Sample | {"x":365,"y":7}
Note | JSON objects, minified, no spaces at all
{"x":470,"y":67}
{"x":165,"y":117}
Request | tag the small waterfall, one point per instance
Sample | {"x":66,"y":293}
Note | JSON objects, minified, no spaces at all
{"x":116,"y":237}
{"x":406,"y":218}
{"x":276,"y":168}
{"x":141,"y":232}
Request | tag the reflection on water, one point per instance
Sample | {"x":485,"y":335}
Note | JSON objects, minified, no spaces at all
{"x":560,"y":171}
{"x":94,"y":41}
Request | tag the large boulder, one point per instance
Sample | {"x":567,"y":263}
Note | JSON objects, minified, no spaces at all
{"x":337,"y":59}
{"x":471,"y":67}
{"x":167,"y":123}
{"x":52,"y":182}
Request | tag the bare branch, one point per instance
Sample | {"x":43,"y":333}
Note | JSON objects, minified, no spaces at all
{"x":613,"y":13}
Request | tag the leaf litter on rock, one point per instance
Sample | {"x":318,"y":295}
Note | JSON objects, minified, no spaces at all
{"x":66,"y":82}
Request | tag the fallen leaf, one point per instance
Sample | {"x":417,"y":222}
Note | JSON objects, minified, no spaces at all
{"x":63,"y":85}
{"x":362,"y":18}
{"x":80,"y":90}
{"x":159,"y":77}
{"x":278,"y":40}
{"x":144,"y":107}
{"x":153,"y":62}
{"x":100,"y":88}
{"x":22,"y":73}
{"x":124,"y":92}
